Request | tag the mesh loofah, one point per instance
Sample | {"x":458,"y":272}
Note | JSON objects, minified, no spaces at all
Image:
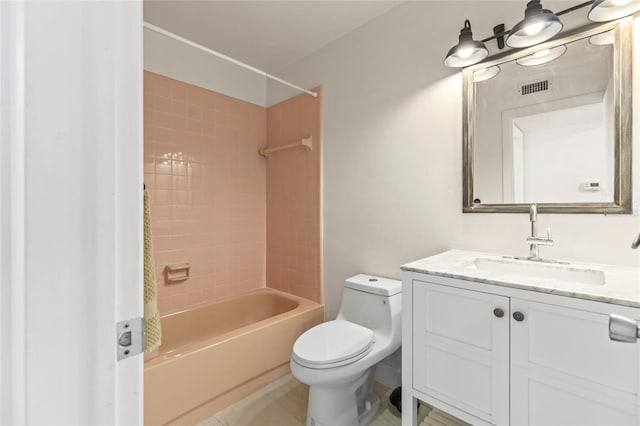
{"x":153,"y":330}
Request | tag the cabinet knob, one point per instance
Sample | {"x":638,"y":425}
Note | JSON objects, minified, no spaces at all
{"x":518,"y":316}
{"x":498,"y":312}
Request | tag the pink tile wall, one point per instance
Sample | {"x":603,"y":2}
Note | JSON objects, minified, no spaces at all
{"x":207,"y":188}
{"x":293,"y":199}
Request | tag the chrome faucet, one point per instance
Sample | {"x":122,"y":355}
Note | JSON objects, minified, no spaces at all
{"x":534,"y":240}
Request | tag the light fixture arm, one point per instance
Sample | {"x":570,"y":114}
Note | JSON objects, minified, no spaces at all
{"x":576,"y":7}
{"x":465,"y":32}
{"x":498,"y":32}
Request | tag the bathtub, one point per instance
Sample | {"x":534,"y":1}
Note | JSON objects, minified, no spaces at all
{"x":217,"y":353}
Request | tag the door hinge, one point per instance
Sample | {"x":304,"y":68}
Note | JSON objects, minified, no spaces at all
{"x":130,"y":337}
{"x":622,"y":329}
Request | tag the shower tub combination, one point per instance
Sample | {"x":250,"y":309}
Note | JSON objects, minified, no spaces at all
{"x":215,"y":354}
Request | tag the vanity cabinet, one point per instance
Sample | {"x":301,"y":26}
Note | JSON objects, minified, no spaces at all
{"x":490,"y":354}
{"x":461,"y":349}
{"x":565,"y":370}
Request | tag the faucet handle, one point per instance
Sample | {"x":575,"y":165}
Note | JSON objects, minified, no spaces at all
{"x":549,"y":234}
{"x":533,"y":213}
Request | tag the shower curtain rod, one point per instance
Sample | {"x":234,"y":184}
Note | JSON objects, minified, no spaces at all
{"x":225,"y":57}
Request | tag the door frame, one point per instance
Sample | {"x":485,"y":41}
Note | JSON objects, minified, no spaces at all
{"x":12,"y":226}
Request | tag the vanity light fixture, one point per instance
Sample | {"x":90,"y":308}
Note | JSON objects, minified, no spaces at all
{"x":537,"y":26}
{"x":485,"y":74}
{"x":468,"y":51}
{"x":608,"y":10}
{"x":542,"y":57}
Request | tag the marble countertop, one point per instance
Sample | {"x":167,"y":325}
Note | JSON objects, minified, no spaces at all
{"x":621,"y":284}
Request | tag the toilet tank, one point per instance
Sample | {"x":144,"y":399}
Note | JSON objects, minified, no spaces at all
{"x":373,"y":302}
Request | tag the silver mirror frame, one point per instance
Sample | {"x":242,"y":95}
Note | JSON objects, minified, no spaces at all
{"x":622,"y":74}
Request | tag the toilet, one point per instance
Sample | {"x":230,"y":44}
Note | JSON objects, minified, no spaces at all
{"x":337,"y":359}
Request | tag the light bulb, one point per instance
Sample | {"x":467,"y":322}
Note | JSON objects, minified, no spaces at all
{"x":533,"y":29}
{"x":465,"y":53}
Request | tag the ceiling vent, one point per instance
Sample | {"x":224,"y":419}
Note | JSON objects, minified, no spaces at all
{"x":535,"y":87}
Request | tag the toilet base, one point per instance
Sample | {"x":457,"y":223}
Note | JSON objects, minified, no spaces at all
{"x":372,"y":405}
{"x":350,"y":404}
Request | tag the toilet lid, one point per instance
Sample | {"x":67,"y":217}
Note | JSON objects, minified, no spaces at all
{"x":333,"y":342}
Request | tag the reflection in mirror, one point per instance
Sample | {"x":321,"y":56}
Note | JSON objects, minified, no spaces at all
{"x":555,"y":121}
{"x":544,"y":127}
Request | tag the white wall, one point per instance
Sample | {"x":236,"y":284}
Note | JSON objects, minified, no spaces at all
{"x":393,"y":161}
{"x":563,"y":150}
{"x":171,"y":58}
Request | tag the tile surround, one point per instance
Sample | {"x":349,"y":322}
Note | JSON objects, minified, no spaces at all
{"x":242,"y":222}
{"x":294,"y":197}
{"x":207,"y":189}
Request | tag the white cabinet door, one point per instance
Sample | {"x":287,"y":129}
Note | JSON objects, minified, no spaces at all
{"x":461,"y":349}
{"x":566,"y":371}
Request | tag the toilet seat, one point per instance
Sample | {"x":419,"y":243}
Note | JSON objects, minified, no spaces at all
{"x":333,"y":344}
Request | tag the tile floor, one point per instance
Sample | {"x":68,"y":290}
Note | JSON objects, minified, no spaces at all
{"x":284,"y":403}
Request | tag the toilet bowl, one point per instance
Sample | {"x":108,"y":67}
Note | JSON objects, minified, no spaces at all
{"x":337,"y":359}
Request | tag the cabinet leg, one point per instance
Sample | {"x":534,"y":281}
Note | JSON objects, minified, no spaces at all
{"x":409,"y":410}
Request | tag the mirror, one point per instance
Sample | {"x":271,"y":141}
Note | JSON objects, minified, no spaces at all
{"x":551,"y":125}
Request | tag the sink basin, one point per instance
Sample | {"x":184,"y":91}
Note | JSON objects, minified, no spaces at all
{"x":532,"y":269}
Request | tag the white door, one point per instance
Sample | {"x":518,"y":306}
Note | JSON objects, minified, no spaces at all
{"x":565,"y":370}
{"x":461,"y":349}
{"x":70,"y":212}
